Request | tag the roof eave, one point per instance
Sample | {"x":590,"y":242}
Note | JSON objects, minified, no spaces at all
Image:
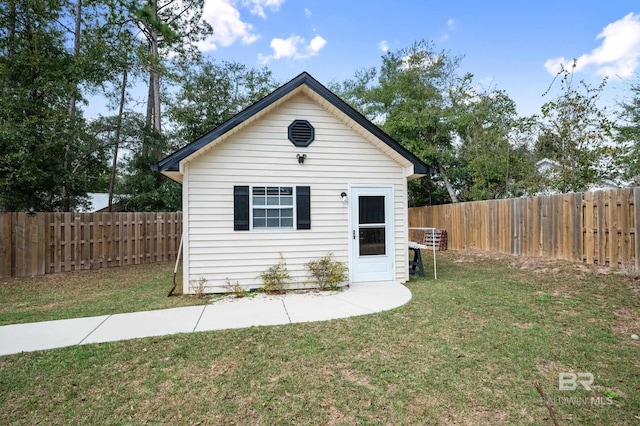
{"x":171,"y":163}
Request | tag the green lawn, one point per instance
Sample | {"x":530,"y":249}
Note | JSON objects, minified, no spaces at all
{"x":464,"y":351}
{"x":90,"y":293}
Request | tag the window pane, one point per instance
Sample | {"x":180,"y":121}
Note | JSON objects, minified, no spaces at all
{"x":273,"y":216}
{"x":371,"y":209}
{"x":372,"y":241}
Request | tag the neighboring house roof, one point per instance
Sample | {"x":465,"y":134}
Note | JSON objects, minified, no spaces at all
{"x":97,"y":201}
{"x":170,"y":166}
{"x":546,"y":164}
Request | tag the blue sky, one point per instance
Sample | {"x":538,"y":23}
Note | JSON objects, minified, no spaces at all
{"x":508,"y":45}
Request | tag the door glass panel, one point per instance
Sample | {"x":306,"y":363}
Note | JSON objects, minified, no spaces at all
{"x":371,"y":209}
{"x":371,"y":225}
{"x":372,"y":241}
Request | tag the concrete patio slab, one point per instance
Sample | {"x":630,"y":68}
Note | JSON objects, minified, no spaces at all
{"x":37,"y":336}
{"x":320,"y":308}
{"x":146,"y":324}
{"x":376,"y":297}
{"x":246,"y":312}
{"x":261,"y":310}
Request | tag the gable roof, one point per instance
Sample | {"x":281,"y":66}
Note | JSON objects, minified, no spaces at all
{"x":171,"y":164}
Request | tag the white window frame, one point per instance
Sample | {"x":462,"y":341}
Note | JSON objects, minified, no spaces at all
{"x":293,"y":206}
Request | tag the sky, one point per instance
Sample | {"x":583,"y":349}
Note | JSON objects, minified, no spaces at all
{"x":516,"y":46}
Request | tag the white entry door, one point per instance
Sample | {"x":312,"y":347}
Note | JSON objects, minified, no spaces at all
{"x":372,"y":234}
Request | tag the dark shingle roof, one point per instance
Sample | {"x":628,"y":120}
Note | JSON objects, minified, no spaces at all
{"x":171,"y":163}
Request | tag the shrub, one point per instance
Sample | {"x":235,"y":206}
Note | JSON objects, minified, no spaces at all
{"x":235,"y":288}
{"x":198,"y":287}
{"x":326,"y":272}
{"x":276,"y":278}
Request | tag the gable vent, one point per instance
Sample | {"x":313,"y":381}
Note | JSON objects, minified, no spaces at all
{"x":301,"y":133}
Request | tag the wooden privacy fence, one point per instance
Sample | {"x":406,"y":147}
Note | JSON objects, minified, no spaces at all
{"x":60,"y":242}
{"x":595,"y":227}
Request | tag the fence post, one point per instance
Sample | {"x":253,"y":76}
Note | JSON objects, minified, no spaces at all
{"x":6,"y":245}
{"x":636,"y":234}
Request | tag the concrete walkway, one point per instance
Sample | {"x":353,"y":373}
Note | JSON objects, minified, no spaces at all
{"x":359,"y":299}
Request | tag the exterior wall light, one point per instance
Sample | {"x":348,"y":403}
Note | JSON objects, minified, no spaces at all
{"x":301,"y":158}
{"x":344,"y":197}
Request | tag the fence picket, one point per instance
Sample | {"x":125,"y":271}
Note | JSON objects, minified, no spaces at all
{"x":62,"y":242}
{"x":624,"y":241}
{"x":6,"y":245}
{"x":597,"y":228}
{"x":636,"y":228}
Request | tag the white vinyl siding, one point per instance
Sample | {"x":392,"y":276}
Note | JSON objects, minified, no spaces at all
{"x":262,"y":155}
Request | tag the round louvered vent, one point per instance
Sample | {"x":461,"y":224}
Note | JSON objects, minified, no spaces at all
{"x":301,"y":133}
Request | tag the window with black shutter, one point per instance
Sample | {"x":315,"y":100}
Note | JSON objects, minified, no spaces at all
{"x":303,"y":204}
{"x":241,"y":208}
{"x":272,"y":207}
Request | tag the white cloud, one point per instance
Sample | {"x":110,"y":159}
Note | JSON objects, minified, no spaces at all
{"x":258,"y":6}
{"x":285,"y":48}
{"x":307,"y":12}
{"x":315,"y":45}
{"x":618,"y":55}
{"x":384,"y":46}
{"x":294,"y":47}
{"x":227,"y":25}
{"x":451,"y":24}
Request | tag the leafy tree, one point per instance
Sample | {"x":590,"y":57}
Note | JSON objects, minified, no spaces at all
{"x":147,"y":191}
{"x":126,"y":55}
{"x":410,"y":97}
{"x":488,"y":125}
{"x":629,"y":136}
{"x":421,"y":99}
{"x":33,"y":106}
{"x":136,"y":188}
{"x":210,"y":93}
{"x":53,"y":54}
{"x":577,"y":135}
{"x":170,"y":27}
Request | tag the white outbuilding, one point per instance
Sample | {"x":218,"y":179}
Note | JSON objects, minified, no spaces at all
{"x":299,"y":173}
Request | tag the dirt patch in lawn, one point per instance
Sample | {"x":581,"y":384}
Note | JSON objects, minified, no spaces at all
{"x":222,"y":367}
{"x":633,"y":278}
{"x":534,"y":264}
{"x":628,"y":322}
{"x":355,"y":378}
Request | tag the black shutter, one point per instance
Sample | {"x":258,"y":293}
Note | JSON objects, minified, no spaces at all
{"x":240,"y":208}
{"x":303,"y":207}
